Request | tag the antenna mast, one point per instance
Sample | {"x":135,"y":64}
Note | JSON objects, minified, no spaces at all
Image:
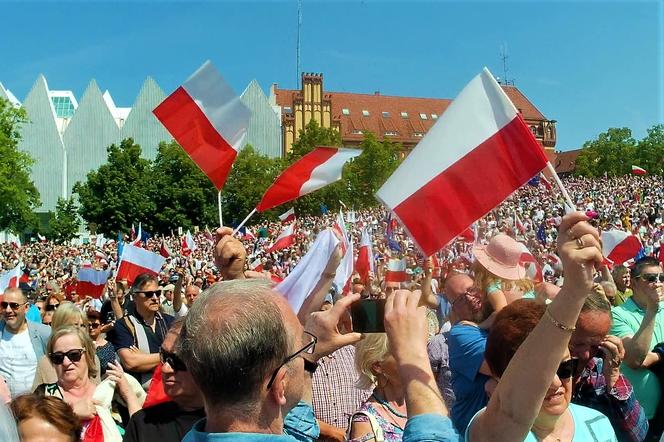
{"x":297,"y":58}
{"x":504,"y":57}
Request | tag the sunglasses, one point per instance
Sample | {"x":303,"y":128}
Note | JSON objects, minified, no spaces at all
{"x":308,"y":348}
{"x":652,"y":277}
{"x":52,"y":307}
{"x":74,"y":355}
{"x":172,"y":359}
{"x":14,"y":305}
{"x":149,"y":293}
{"x":567,"y":368}
{"x":94,"y":325}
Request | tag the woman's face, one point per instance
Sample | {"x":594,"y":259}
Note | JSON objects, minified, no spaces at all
{"x":559,"y":394}
{"x":94,"y":325}
{"x":70,"y":371}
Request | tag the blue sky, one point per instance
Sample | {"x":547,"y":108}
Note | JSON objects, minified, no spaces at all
{"x":588,"y":65}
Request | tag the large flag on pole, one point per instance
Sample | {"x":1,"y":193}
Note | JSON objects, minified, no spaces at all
{"x":285,"y":239}
{"x":317,"y":169}
{"x":135,"y":260}
{"x":208,"y":120}
{"x":441,"y":175}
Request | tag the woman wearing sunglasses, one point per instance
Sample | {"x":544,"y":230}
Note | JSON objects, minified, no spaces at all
{"x":72,"y":353}
{"x":527,"y":351}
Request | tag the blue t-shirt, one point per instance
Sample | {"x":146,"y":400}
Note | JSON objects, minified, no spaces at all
{"x":466,"y":344}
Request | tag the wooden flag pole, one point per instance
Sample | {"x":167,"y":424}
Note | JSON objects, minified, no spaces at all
{"x":559,"y":183}
{"x":221,"y":220}
{"x":244,"y":221}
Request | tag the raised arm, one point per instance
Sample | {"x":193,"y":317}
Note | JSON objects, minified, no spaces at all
{"x":518,"y":397}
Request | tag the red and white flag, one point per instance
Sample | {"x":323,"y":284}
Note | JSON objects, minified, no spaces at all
{"x":544,"y":182}
{"x":10,"y":279}
{"x":256,"y":265}
{"x":91,"y":282}
{"x":315,"y":170}
{"x":288,"y":216}
{"x":208,"y":120}
{"x":339,"y":227}
{"x":135,"y":260}
{"x":248,"y":235}
{"x":533,"y":268}
{"x":139,"y":236}
{"x":520,"y":228}
{"x":636,"y":170}
{"x":285,"y":239}
{"x":41,"y":237}
{"x":188,"y":244}
{"x":619,"y":246}
{"x":440,"y":176}
{"x":365,"y":262}
{"x":164,"y":250}
{"x":133,"y":231}
{"x":396,"y":270}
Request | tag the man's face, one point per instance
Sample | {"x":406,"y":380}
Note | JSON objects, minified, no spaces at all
{"x":640,"y":285}
{"x":145,"y":301}
{"x":14,"y":317}
{"x":168,"y":294}
{"x":623,"y":282}
{"x":591,"y":328}
{"x":178,"y":385}
{"x":464,"y":297}
{"x":190,"y":293}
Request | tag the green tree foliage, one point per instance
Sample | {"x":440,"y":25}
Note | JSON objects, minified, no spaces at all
{"x":183,"y":195}
{"x":18,"y":194}
{"x":611,"y":152}
{"x":118,"y":193}
{"x":312,"y":136}
{"x":650,"y":151}
{"x":65,"y":222}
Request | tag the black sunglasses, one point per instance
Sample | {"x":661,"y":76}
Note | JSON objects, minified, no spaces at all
{"x":652,"y":277}
{"x":567,"y":368}
{"x":148,"y":293}
{"x":94,"y":325}
{"x":308,"y":348}
{"x":13,"y":305}
{"x":52,"y":307}
{"x":74,"y":355}
{"x":172,"y":359}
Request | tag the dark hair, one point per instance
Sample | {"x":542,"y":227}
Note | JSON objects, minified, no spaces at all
{"x":511,"y":327}
{"x":647,"y":261}
{"x":51,"y":409}
{"x":94,"y":315}
{"x":142,"y":279}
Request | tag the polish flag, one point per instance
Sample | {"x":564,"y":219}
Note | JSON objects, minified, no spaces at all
{"x":396,"y":270}
{"x":533,"y":268}
{"x":208,"y":120}
{"x":467,"y":236}
{"x":41,"y":238}
{"x":10,"y":279}
{"x":437,"y":266}
{"x":481,"y":127}
{"x":546,"y":183}
{"x":91,"y":282}
{"x":288,"y":216}
{"x":133,"y":231}
{"x":365,"y":261}
{"x":135,"y":260}
{"x":16,"y":242}
{"x":285,"y":239}
{"x":518,"y":224}
{"x":256,"y":265}
{"x":139,"y":236}
{"x":164,"y":250}
{"x":344,"y":271}
{"x":188,"y":245}
{"x":339,"y":227}
{"x":248,"y":235}
{"x":619,"y":246}
{"x":317,"y":169}
{"x":636,"y":170}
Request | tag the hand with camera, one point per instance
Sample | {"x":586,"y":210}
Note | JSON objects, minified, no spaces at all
{"x":325,"y":326}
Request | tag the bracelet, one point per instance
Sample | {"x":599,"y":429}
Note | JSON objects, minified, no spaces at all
{"x":558,"y":324}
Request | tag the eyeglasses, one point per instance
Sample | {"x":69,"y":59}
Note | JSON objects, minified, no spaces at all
{"x":149,"y":293}
{"x":652,"y":277}
{"x":14,"y":305}
{"x":52,"y":307}
{"x":172,"y":359}
{"x":74,"y":355}
{"x":567,"y":368}
{"x":308,"y":348}
{"x":94,"y":325}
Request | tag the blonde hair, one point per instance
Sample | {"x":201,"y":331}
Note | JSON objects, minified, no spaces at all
{"x":86,"y":343}
{"x":370,"y":350}
{"x":68,"y":314}
{"x":484,"y":279}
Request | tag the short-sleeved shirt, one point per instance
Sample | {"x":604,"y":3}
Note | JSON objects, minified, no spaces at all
{"x":466,"y":345}
{"x":627,"y":319}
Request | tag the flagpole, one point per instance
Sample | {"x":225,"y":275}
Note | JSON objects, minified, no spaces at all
{"x":244,"y":221}
{"x":559,"y":183}
{"x":221,"y":220}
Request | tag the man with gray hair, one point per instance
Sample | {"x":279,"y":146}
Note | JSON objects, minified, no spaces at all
{"x":253,"y":360}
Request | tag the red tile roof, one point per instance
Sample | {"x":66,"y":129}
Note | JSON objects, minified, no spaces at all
{"x":565,"y":162}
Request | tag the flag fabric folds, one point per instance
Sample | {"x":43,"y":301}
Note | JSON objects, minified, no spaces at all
{"x":208,"y":120}
{"x":315,"y":170}
{"x":288,"y":216}
{"x":396,"y":270}
{"x":164,"y":250}
{"x":365,"y":261}
{"x":636,"y":170}
{"x":91,"y":282}
{"x":619,"y":246}
{"x":285,"y":239}
{"x":10,"y":279}
{"x":440,"y":176}
{"x":135,"y":260}
{"x":139,"y":236}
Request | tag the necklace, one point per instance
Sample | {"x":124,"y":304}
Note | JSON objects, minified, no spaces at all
{"x":389,"y":408}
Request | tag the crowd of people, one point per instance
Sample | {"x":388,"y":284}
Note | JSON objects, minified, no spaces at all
{"x":519,"y":329}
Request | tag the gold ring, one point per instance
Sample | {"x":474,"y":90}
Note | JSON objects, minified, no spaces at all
{"x":580,"y":243}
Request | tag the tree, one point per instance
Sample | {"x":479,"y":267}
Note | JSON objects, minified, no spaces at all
{"x":311,"y":136}
{"x":18,"y":195}
{"x":612,"y":152}
{"x":650,"y":151}
{"x":118,"y":193}
{"x":65,"y":222}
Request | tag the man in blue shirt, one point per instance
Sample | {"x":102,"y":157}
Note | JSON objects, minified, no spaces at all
{"x":253,"y":360}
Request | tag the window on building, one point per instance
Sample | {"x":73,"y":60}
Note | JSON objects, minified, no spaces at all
{"x":63,"y":107}
{"x":418,"y":134}
{"x":533,"y":129}
{"x":434,"y":116}
{"x":287,"y":109}
{"x":424,"y":116}
{"x":357,"y":132}
{"x":404,"y":114}
{"x":386,"y":114}
{"x":365,"y":112}
{"x":391,"y":134}
{"x":345,"y":111}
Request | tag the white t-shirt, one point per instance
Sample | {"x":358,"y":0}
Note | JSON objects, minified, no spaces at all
{"x":18,"y":362}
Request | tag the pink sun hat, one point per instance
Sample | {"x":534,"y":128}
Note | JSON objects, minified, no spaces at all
{"x":502,"y":257}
